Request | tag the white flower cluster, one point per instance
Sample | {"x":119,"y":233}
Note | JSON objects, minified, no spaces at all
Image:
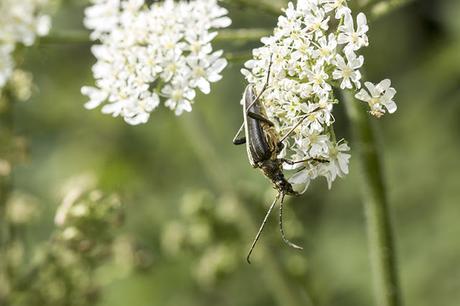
{"x":314,"y":49}
{"x":152,"y":53}
{"x":21,"y":21}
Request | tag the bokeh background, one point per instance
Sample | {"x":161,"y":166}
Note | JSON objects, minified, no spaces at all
{"x":192,"y":202}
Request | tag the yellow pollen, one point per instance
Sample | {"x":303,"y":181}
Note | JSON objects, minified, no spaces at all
{"x":318,"y":79}
{"x":195,"y":47}
{"x":176,"y":94}
{"x":199,"y":71}
{"x":172,"y":67}
{"x":347,"y":72}
{"x":354,"y":37}
{"x":169,"y":45}
{"x":373,"y":101}
{"x":325,"y":52}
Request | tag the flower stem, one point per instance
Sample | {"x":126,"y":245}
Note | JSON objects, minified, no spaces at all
{"x":381,"y":245}
{"x":226,"y":35}
{"x":65,"y":37}
{"x":244,"y":34}
{"x":6,"y":148}
{"x":379,"y":9}
{"x":238,"y":56}
{"x":275,"y":274}
{"x":260,"y":5}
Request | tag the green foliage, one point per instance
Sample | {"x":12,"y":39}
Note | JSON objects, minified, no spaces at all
{"x":62,"y":271}
{"x":186,"y":217}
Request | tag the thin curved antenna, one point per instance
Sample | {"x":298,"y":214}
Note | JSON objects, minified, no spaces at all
{"x":292,"y":245}
{"x":261,"y":228}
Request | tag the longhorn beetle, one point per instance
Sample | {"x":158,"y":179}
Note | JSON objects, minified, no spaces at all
{"x":263,"y":146}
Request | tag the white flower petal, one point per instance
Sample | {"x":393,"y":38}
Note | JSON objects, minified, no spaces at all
{"x":363,"y":95}
{"x":391,"y":106}
{"x":383,"y":85}
{"x":148,"y":51}
{"x":372,"y":89}
{"x":362,"y":23}
{"x":304,"y":59}
{"x":300,"y":177}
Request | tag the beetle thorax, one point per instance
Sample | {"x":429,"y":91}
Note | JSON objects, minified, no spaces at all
{"x":273,"y":169}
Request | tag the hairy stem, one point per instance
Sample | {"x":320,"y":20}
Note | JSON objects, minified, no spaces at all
{"x":274,"y":273}
{"x":381,"y":245}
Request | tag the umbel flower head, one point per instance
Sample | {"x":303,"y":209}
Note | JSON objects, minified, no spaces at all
{"x":21,"y":22}
{"x":150,"y":54}
{"x":313,"y":49}
{"x":87,"y":217}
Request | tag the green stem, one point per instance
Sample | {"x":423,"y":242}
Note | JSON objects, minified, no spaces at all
{"x":226,"y":35}
{"x":284,"y":292}
{"x":6,"y":155}
{"x":242,"y":35}
{"x":381,"y":245}
{"x":65,"y":37}
{"x":260,"y":5}
{"x":238,"y":56}
{"x":382,"y":8}
{"x":377,"y":10}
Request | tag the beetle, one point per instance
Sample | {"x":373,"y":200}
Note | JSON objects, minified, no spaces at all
{"x":263,"y":146}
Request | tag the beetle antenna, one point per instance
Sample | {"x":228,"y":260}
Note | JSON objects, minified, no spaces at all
{"x":261,"y":228}
{"x":289,"y":243}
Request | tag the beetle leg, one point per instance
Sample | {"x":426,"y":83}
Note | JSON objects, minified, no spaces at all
{"x":296,"y":125}
{"x":239,"y":141}
{"x":291,"y":162}
{"x":293,"y":128}
{"x":287,"y":161}
{"x":260,"y":118}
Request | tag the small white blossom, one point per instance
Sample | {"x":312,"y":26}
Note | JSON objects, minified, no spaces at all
{"x":354,"y":40}
{"x":348,"y":72}
{"x":21,"y":22}
{"x":179,"y":96}
{"x":339,"y":6}
{"x":326,"y":48}
{"x":150,"y":54}
{"x":318,"y":79}
{"x":311,"y":53}
{"x":338,"y":162}
{"x":378,"y":96}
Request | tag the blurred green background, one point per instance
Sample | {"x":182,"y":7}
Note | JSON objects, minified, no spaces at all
{"x":182,"y":176}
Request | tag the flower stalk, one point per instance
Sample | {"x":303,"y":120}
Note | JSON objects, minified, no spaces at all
{"x":379,"y":231}
{"x":6,"y":141}
{"x":264,"y":6}
{"x":6,"y":131}
{"x":225,"y":35}
{"x":379,"y":9}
